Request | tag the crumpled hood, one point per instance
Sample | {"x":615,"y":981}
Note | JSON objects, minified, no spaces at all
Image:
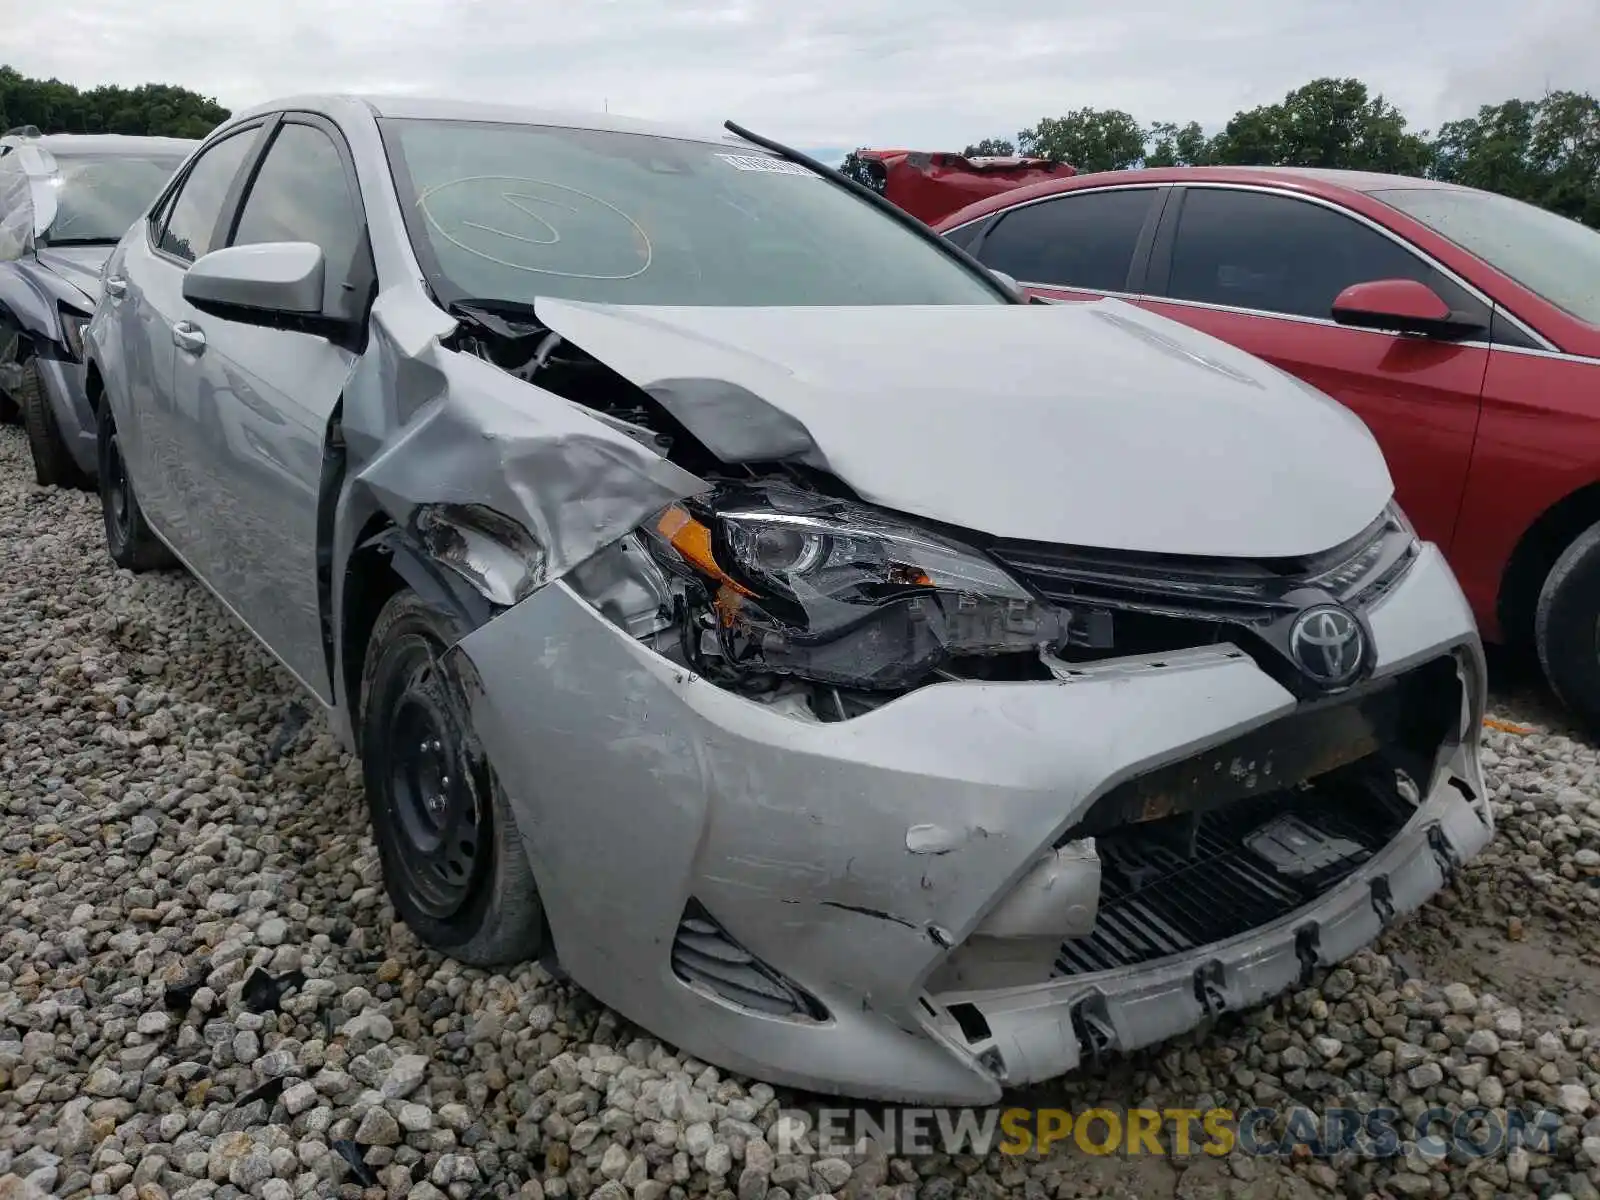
{"x":77,"y":265}
{"x":1097,"y":425}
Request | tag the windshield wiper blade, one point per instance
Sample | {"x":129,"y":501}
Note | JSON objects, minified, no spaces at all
{"x":887,"y":207}
{"x":50,"y":243}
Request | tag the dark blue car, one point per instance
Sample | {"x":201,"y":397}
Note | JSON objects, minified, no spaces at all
{"x":65,"y":200}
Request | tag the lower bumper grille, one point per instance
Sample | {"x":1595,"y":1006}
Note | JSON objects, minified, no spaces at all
{"x":1170,"y":886}
{"x":707,"y":956}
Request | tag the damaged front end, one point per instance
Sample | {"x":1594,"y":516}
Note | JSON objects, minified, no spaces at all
{"x":782,"y":584}
{"x":895,"y":808}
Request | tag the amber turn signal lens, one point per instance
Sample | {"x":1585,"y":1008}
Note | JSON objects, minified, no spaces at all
{"x":692,"y":540}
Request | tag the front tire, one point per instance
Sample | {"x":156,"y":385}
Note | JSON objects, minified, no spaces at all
{"x":130,"y":541}
{"x":52,"y":461}
{"x":1566,"y":627}
{"x":453,"y":860}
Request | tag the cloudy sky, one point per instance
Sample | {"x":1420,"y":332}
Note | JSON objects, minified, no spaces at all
{"x":933,"y":74}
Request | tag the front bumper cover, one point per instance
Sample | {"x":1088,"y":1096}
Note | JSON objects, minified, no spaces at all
{"x":69,"y":401}
{"x":853,"y":856}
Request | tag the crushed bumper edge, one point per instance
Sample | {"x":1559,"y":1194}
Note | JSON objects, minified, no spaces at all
{"x":1048,"y":1030}
{"x":64,"y":390}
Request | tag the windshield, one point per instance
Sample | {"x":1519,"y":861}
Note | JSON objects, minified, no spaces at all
{"x":99,"y":196}
{"x":513,"y":212}
{"x":1553,"y":257}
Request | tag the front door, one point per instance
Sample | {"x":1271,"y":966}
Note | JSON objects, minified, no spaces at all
{"x":254,"y":402}
{"x":1261,"y":270}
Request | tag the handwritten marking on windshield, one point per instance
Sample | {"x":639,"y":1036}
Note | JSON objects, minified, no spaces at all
{"x":518,"y":201}
{"x":512,"y":198}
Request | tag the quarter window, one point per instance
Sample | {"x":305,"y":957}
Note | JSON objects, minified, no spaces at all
{"x":302,"y":194}
{"x":963,"y":237}
{"x":192,"y":221}
{"x":1081,"y":240}
{"x":1281,"y":255}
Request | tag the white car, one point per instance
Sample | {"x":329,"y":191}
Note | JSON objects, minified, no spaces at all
{"x":855,"y":675}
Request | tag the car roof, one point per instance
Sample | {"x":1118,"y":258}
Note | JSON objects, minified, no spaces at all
{"x":107,"y":144}
{"x":1314,"y":180}
{"x":1356,"y":181}
{"x":433,"y":108}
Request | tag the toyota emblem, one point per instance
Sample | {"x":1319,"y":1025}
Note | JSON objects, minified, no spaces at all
{"x":1328,"y":644}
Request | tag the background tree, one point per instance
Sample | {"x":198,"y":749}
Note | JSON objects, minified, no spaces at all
{"x":1171,"y":146}
{"x":1546,"y":152}
{"x":1327,"y":123}
{"x":1091,"y":139}
{"x":155,"y":108}
{"x":1566,"y":154}
{"x":990,"y":148}
{"x":1492,"y":150}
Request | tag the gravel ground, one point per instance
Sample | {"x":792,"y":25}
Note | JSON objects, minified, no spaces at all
{"x":182,"y":844}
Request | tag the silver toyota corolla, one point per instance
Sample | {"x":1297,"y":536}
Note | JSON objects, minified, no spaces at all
{"x":855,"y":675}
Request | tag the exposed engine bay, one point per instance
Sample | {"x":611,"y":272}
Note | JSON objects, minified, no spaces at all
{"x":778,"y":583}
{"x":781,"y":585}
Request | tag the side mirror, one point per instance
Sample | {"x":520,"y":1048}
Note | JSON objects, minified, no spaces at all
{"x":276,"y":284}
{"x":1402,"y":306}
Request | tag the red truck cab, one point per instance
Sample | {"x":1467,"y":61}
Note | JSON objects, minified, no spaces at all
{"x":930,"y":185}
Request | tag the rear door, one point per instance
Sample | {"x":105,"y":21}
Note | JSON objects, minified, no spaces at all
{"x":1261,"y":269}
{"x":144,"y":291}
{"x":1078,"y":245}
{"x":255,"y":402}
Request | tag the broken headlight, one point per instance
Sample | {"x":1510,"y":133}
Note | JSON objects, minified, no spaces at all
{"x":801,"y":584}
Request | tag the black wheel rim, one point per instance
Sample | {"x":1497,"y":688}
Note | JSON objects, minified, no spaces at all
{"x":119,"y":494}
{"x":431,"y":798}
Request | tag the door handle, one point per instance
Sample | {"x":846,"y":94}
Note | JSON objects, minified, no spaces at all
{"x":188,"y":336}
{"x":116,"y":287}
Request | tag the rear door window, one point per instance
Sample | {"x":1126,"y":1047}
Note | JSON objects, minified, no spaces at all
{"x":963,"y":236}
{"x":1080,"y":240}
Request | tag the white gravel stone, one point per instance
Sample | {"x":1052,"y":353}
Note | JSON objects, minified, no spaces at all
{"x":697,"y":1139}
{"x":719,"y":1161}
{"x":1460,"y":998}
{"x":415,"y":1118}
{"x":614,"y":1162}
{"x":1574,"y":1098}
{"x":404,"y":1077}
{"x":297,"y":1098}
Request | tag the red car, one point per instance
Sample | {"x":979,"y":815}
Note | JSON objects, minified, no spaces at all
{"x":929,"y":185}
{"x":1462,"y":326}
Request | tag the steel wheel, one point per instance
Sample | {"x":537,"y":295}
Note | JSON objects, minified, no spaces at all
{"x":131,"y":543}
{"x":434,"y":802}
{"x":119,"y":495}
{"x":454,"y":863}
